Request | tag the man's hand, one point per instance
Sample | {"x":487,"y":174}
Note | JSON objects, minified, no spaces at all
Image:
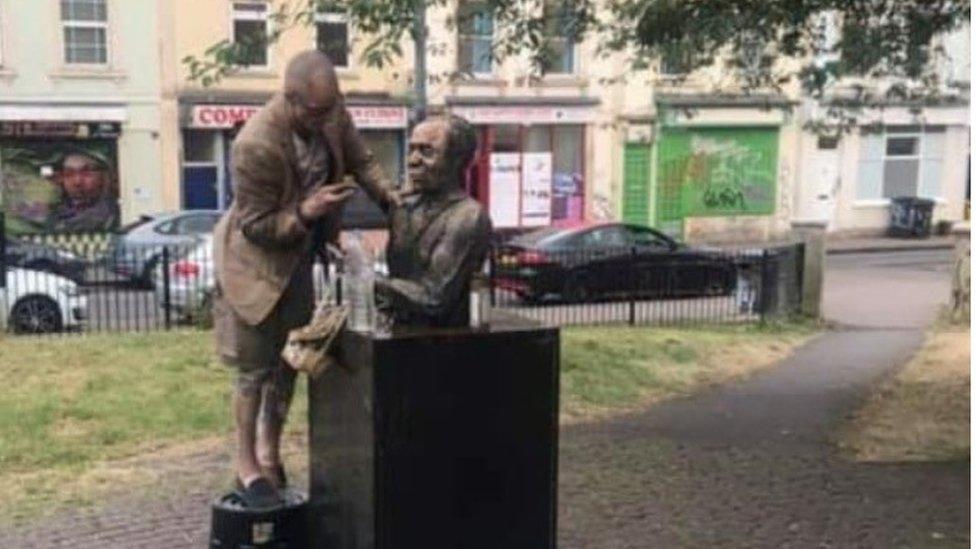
{"x":325,"y":200}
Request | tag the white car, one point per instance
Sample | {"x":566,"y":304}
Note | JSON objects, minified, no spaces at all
{"x":39,"y":302}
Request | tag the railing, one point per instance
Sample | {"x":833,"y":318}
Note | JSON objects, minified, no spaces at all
{"x":632,"y":285}
{"x":86,"y":287}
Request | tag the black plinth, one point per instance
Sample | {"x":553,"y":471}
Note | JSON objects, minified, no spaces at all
{"x":234,"y":526}
{"x":437,"y":438}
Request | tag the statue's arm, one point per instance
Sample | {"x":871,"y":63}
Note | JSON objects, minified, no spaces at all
{"x":258,"y":173}
{"x":455,"y":257}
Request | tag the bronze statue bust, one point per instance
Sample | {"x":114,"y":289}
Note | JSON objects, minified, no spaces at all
{"x":439,"y":236}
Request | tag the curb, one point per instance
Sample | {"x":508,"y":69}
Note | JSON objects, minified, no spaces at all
{"x":883,"y":249}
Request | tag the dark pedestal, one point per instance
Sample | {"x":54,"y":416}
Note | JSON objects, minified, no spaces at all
{"x":437,"y":438}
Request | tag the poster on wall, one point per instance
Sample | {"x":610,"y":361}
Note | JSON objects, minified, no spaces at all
{"x":59,"y":185}
{"x":567,"y":198}
{"x":536,"y":189}
{"x":503,"y":199}
{"x":717,"y":172}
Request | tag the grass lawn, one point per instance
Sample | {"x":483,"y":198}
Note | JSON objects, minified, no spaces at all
{"x":80,"y":414}
{"x":922,"y":412}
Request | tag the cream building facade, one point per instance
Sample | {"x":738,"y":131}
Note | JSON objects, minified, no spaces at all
{"x":915,"y":150}
{"x":200,"y":121}
{"x":79,"y":98}
{"x":594,"y":140}
{"x":577,"y":145}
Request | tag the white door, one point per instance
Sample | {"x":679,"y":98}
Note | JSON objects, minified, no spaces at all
{"x":824,"y":180}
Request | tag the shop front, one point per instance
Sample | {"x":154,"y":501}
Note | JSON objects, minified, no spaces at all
{"x":530,"y":169}
{"x":209,"y":129}
{"x":59,"y":175}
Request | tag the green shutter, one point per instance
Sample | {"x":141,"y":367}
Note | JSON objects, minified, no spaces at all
{"x":637,"y":184}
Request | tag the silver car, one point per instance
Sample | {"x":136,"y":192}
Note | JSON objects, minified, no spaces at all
{"x":138,"y":247}
{"x":187,"y":288}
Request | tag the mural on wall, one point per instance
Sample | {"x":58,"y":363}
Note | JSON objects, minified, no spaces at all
{"x":58,"y":185}
{"x":714,"y":172}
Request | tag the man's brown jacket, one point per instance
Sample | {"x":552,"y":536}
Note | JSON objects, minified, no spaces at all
{"x":260,"y":239}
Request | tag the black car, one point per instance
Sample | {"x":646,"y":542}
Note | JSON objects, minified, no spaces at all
{"x":607,"y":261}
{"x":42,"y":257}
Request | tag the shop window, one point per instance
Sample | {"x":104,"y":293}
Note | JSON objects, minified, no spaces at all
{"x":251,"y":33}
{"x":332,"y":36}
{"x":387,"y":147}
{"x":476,"y":29}
{"x":901,"y":162}
{"x":84,"y":25}
{"x":538,"y":139}
{"x":505,"y":139}
{"x":567,"y":174}
{"x":200,"y":146}
{"x":560,"y":39}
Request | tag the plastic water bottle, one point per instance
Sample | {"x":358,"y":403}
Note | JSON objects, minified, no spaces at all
{"x":357,"y":286}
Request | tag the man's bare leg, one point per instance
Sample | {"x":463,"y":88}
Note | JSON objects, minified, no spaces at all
{"x":276,"y":401}
{"x":247,"y":404}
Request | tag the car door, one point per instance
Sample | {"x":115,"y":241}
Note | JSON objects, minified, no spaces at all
{"x":652,"y":262}
{"x":607,"y":262}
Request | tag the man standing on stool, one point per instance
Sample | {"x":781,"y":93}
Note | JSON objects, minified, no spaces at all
{"x":289,"y":162}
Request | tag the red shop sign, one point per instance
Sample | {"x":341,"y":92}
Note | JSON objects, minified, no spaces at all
{"x":217,"y":117}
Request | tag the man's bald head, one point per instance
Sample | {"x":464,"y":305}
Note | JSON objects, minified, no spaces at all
{"x":312,"y":89}
{"x":310,"y":70}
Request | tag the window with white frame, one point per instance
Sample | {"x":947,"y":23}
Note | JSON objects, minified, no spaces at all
{"x":332,"y":35}
{"x":84,"y":25}
{"x":901,"y":161}
{"x":560,"y":39}
{"x":251,"y":33}
{"x":476,"y":28}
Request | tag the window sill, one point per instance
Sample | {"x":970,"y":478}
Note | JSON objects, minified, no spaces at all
{"x":257,"y":73}
{"x":483,"y":81}
{"x":561,"y":81}
{"x":89,"y":73}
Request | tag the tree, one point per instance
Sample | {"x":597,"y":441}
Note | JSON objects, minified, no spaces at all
{"x":891,"y":42}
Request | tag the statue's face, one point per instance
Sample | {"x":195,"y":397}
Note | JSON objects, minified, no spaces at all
{"x":430,"y":169}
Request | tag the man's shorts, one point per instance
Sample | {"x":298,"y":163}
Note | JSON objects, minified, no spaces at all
{"x":255,"y":351}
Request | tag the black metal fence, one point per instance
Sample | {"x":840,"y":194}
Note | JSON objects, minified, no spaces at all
{"x":96,"y":286}
{"x":649,"y":286}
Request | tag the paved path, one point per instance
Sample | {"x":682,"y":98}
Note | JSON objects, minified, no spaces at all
{"x":746,"y":465}
{"x":751,"y":465}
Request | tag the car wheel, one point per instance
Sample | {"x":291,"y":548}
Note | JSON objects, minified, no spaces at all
{"x":575,"y":290}
{"x":36,"y":314}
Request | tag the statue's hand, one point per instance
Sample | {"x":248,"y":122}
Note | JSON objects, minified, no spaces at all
{"x":400,"y":196}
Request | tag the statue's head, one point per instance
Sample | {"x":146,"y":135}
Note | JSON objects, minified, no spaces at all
{"x":441,"y":148}
{"x":311,"y":90}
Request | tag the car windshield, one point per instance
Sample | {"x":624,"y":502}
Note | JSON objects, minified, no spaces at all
{"x":539,"y":237}
{"x":129,"y":227}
